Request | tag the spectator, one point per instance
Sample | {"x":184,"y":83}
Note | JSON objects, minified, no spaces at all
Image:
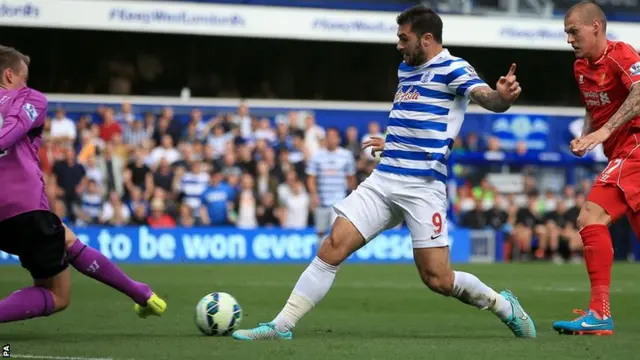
{"x":216,"y":202}
{"x":71,"y":177}
{"x":63,"y":129}
{"x":352,"y":144}
{"x":186,"y":218}
{"x":295,"y":213}
{"x":93,"y":172}
{"x":91,"y":208}
{"x":267,"y":211}
{"x":313,"y":135}
{"x":264,"y":181}
{"x":114,"y":212}
{"x":136,"y":201}
{"x":571,"y":229}
{"x":218,"y":141}
{"x":193,"y":184}
{"x":498,"y":215}
{"x":165,"y":150}
{"x":159,"y":217}
{"x":112,"y":169}
{"x":139,"y":217}
{"x":243,"y":121}
{"x":138,"y":175}
{"x":136,"y":134}
{"x":472,"y":143}
{"x":46,"y":155}
{"x":298,"y":153}
{"x":246,"y":162}
{"x":264,"y":131}
{"x":554,"y":221}
{"x":529,"y":223}
{"x":109,"y":126}
{"x":476,"y":218}
{"x":228,"y":165}
{"x":285,"y":189}
{"x":163,"y":177}
{"x":246,"y":204}
{"x":126,"y":117}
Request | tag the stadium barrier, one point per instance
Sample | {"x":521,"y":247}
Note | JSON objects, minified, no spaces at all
{"x":142,"y":245}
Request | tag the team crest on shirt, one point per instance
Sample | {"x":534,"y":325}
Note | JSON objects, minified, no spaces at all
{"x":471,"y":71}
{"x":635,"y":69}
{"x":581,"y":79}
{"x":603,"y":78}
{"x":427,"y":76}
{"x":31,"y":111}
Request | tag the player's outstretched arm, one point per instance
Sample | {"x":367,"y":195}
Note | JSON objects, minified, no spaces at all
{"x":507,"y":92}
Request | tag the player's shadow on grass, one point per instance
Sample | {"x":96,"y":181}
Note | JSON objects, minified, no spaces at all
{"x":328,"y":333}
{"x":73,"y":337}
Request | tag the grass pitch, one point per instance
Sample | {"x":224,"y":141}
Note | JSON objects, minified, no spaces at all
{"x":373,"y":312}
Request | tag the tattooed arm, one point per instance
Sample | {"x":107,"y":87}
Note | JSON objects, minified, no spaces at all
{"x":629,"y":109}
{"x":489,"y":99}
{"x":587,"y":126}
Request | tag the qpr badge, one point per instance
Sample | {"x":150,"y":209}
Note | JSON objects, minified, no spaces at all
{"x":427,"y":76}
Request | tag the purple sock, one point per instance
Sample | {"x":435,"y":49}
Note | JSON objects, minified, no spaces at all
{"x":95,"y":265}
{"x":26,"y":304}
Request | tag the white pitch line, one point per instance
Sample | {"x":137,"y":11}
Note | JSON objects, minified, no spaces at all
{"x":45,"y":357}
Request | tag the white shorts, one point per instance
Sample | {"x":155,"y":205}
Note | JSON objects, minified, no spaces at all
{"x":383,"y":200}
{"x":324,"y":218}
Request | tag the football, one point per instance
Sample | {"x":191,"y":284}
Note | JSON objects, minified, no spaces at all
{"x":218,"y":314}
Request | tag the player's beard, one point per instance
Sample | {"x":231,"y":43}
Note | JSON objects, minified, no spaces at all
{"x":416,"y":56}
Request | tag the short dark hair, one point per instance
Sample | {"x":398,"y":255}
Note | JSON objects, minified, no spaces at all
{"x":10,"y":58}
{"x":422,"y":20}
{"x":333,"y":128}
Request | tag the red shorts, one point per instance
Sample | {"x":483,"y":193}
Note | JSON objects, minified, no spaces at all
{"x":617,"y":188}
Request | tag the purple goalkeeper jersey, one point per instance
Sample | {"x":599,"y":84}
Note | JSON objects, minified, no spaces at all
{"x":22,"y":114}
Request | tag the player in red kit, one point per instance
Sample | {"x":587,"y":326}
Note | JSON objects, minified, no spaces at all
{"x":608,"y":74}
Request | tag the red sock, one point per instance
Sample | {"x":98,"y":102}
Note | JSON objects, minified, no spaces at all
{"x":598,"y":255}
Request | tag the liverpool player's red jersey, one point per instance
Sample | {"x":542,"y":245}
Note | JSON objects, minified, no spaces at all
{"x":604,"y":86}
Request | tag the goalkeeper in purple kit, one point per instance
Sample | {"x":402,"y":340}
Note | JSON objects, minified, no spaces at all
{"x":29,"y":229}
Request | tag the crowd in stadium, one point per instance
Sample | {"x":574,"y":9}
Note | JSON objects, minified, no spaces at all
{"x":124,"y":168}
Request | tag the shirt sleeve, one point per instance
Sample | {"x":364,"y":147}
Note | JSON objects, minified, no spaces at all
{"x":626,"y":64}
{"x":463,"y":78}
{"x":27,"y":111}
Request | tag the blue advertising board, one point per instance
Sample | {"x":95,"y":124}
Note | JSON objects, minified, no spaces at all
{"x":142,"y":245}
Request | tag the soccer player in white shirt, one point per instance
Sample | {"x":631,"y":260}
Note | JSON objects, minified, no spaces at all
{"x":409,"y":183}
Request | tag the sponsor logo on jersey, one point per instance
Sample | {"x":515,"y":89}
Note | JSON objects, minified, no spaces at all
{"x":635,"y":69}
{"x":31,"y":111}
{"x":596,"y":98}
{"x":410,"y":94}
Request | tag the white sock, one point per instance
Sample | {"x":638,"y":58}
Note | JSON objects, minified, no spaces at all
{"x":313,"y":285}
{"x":470,"y":290}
